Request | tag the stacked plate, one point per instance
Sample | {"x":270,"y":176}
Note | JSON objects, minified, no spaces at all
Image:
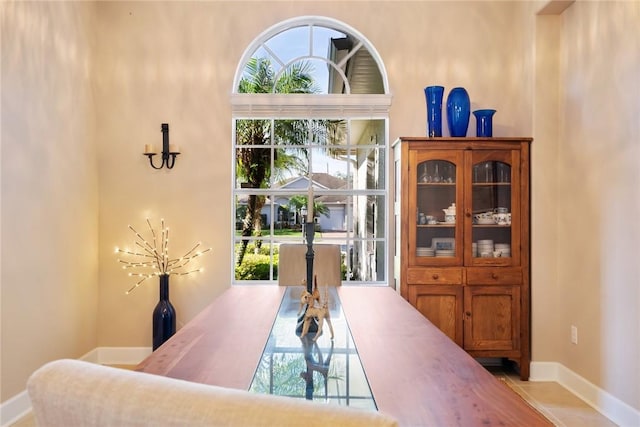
{"x":504,"y":249}
{"x":474,"y":249}
{"x":485,"y":248}
{"x":422,"y":251}
{"x":485,"y":221}
{"x":440,"y":253}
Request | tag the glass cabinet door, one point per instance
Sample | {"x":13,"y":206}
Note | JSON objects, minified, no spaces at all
{"x":492,"y":208}
{"x":436,"y":216}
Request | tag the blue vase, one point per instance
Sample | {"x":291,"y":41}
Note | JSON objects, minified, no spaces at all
{"x":433,"y":95}
{"x":484,"y":122}
{"x":164,"y":315}
{"x":458,"y":111}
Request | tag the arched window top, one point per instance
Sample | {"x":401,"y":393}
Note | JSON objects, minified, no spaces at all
{"x":337,"y":58}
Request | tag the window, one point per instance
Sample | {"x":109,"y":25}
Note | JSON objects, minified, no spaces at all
{"x":310,"y":109}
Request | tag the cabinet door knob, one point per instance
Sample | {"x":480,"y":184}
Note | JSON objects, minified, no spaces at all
{"x":494,"y":276}
{"x":468,"y":314}
{"x":435,"y":277}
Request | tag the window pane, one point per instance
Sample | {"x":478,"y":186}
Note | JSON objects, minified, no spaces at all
{"x":367,"y":261}
{"x":256,"y":225}
{"x":330,"y":161}
{"x":262,"y":54}
{"x":254,"y":157}
{"x":367,"y":132}
{"x":369,"y":216}
{"x":369,"y":169}
{"x":308,"y":75}
{"x":290,"y":44}
{"x":293,"y":132}
{"x":357,"y":64}
{"x":253,"y":260}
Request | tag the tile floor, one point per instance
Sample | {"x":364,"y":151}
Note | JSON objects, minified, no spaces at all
{"x":559,"y":405}
{"x":555,"y":402}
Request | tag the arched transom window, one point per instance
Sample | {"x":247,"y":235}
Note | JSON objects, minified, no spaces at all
{"x":310,"y":109}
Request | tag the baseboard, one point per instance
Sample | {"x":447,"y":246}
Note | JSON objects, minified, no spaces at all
{"x":117,"y":355}
{"x":608,"y":405}
{"x":543,"y":371}
{"x":20,"y":405}
{"x":15,"y":408}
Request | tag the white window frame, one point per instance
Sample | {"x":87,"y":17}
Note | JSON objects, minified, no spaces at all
{"x":312,"y":106}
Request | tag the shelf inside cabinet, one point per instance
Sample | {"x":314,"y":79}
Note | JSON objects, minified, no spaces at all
{"x":491,"y":184}
{"x":437,"y":184}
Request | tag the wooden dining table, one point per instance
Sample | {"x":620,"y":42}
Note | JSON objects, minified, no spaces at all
{"x":415,"y":372}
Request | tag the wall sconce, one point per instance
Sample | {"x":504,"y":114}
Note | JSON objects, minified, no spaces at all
{"x":169,"y":151}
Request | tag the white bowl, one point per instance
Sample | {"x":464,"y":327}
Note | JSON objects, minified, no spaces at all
{"x":485,"y":221}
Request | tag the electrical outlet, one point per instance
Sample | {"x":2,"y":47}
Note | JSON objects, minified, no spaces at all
{"x":574,"y":334}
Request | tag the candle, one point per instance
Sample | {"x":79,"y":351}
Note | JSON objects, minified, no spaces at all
{"x":173,"y":148}
{"x":148,"y":149}
{"x":310,"y":204}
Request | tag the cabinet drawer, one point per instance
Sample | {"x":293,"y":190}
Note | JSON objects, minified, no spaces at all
{"x":494,"y":276}
{"x":434,"y":276}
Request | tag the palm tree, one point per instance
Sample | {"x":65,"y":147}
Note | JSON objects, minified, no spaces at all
{"x":298,"y":202}
{"x":253,"y":164}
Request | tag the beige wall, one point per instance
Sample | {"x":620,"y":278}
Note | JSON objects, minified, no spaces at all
{"x":175,"y":62}
{"x":49,"y":188}
{"x":599,"y":195}
{"x":585,"y":199}
{"x":546,"y":304}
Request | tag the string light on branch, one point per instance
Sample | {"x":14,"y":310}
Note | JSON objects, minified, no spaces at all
{"x":152,"y":255}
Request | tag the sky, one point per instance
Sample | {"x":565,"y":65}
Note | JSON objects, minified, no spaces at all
{"x":300,"y":42}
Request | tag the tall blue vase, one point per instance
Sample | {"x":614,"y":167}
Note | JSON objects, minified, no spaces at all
{"x":484,"y":122}
{"x":164,"y":315}
{"x":433,"y":95}
{"x":458,"y":111}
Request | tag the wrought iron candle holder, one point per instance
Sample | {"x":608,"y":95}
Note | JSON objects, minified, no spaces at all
{"x":169,"y":151}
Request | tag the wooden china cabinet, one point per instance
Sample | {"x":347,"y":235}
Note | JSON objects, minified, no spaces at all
{"x":462,"y":240}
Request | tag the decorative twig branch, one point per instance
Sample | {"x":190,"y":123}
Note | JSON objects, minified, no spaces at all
{"x":154,"y":255}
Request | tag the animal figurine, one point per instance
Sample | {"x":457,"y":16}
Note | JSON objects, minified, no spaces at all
{"x":308,"y":299}
{"x":319,"y":312}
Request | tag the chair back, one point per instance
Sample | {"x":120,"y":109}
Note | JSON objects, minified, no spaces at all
{"x":292,"y":264}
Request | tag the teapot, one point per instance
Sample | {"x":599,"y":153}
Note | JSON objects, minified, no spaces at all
{"x":451,"y":210}
{"x":450,"y":213}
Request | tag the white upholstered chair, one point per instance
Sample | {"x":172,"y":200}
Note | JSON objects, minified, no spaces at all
{"x":68,"y":393}
{"x":292,"y":264}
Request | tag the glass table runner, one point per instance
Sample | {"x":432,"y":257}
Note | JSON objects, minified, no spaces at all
{"x":324,"y":370}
